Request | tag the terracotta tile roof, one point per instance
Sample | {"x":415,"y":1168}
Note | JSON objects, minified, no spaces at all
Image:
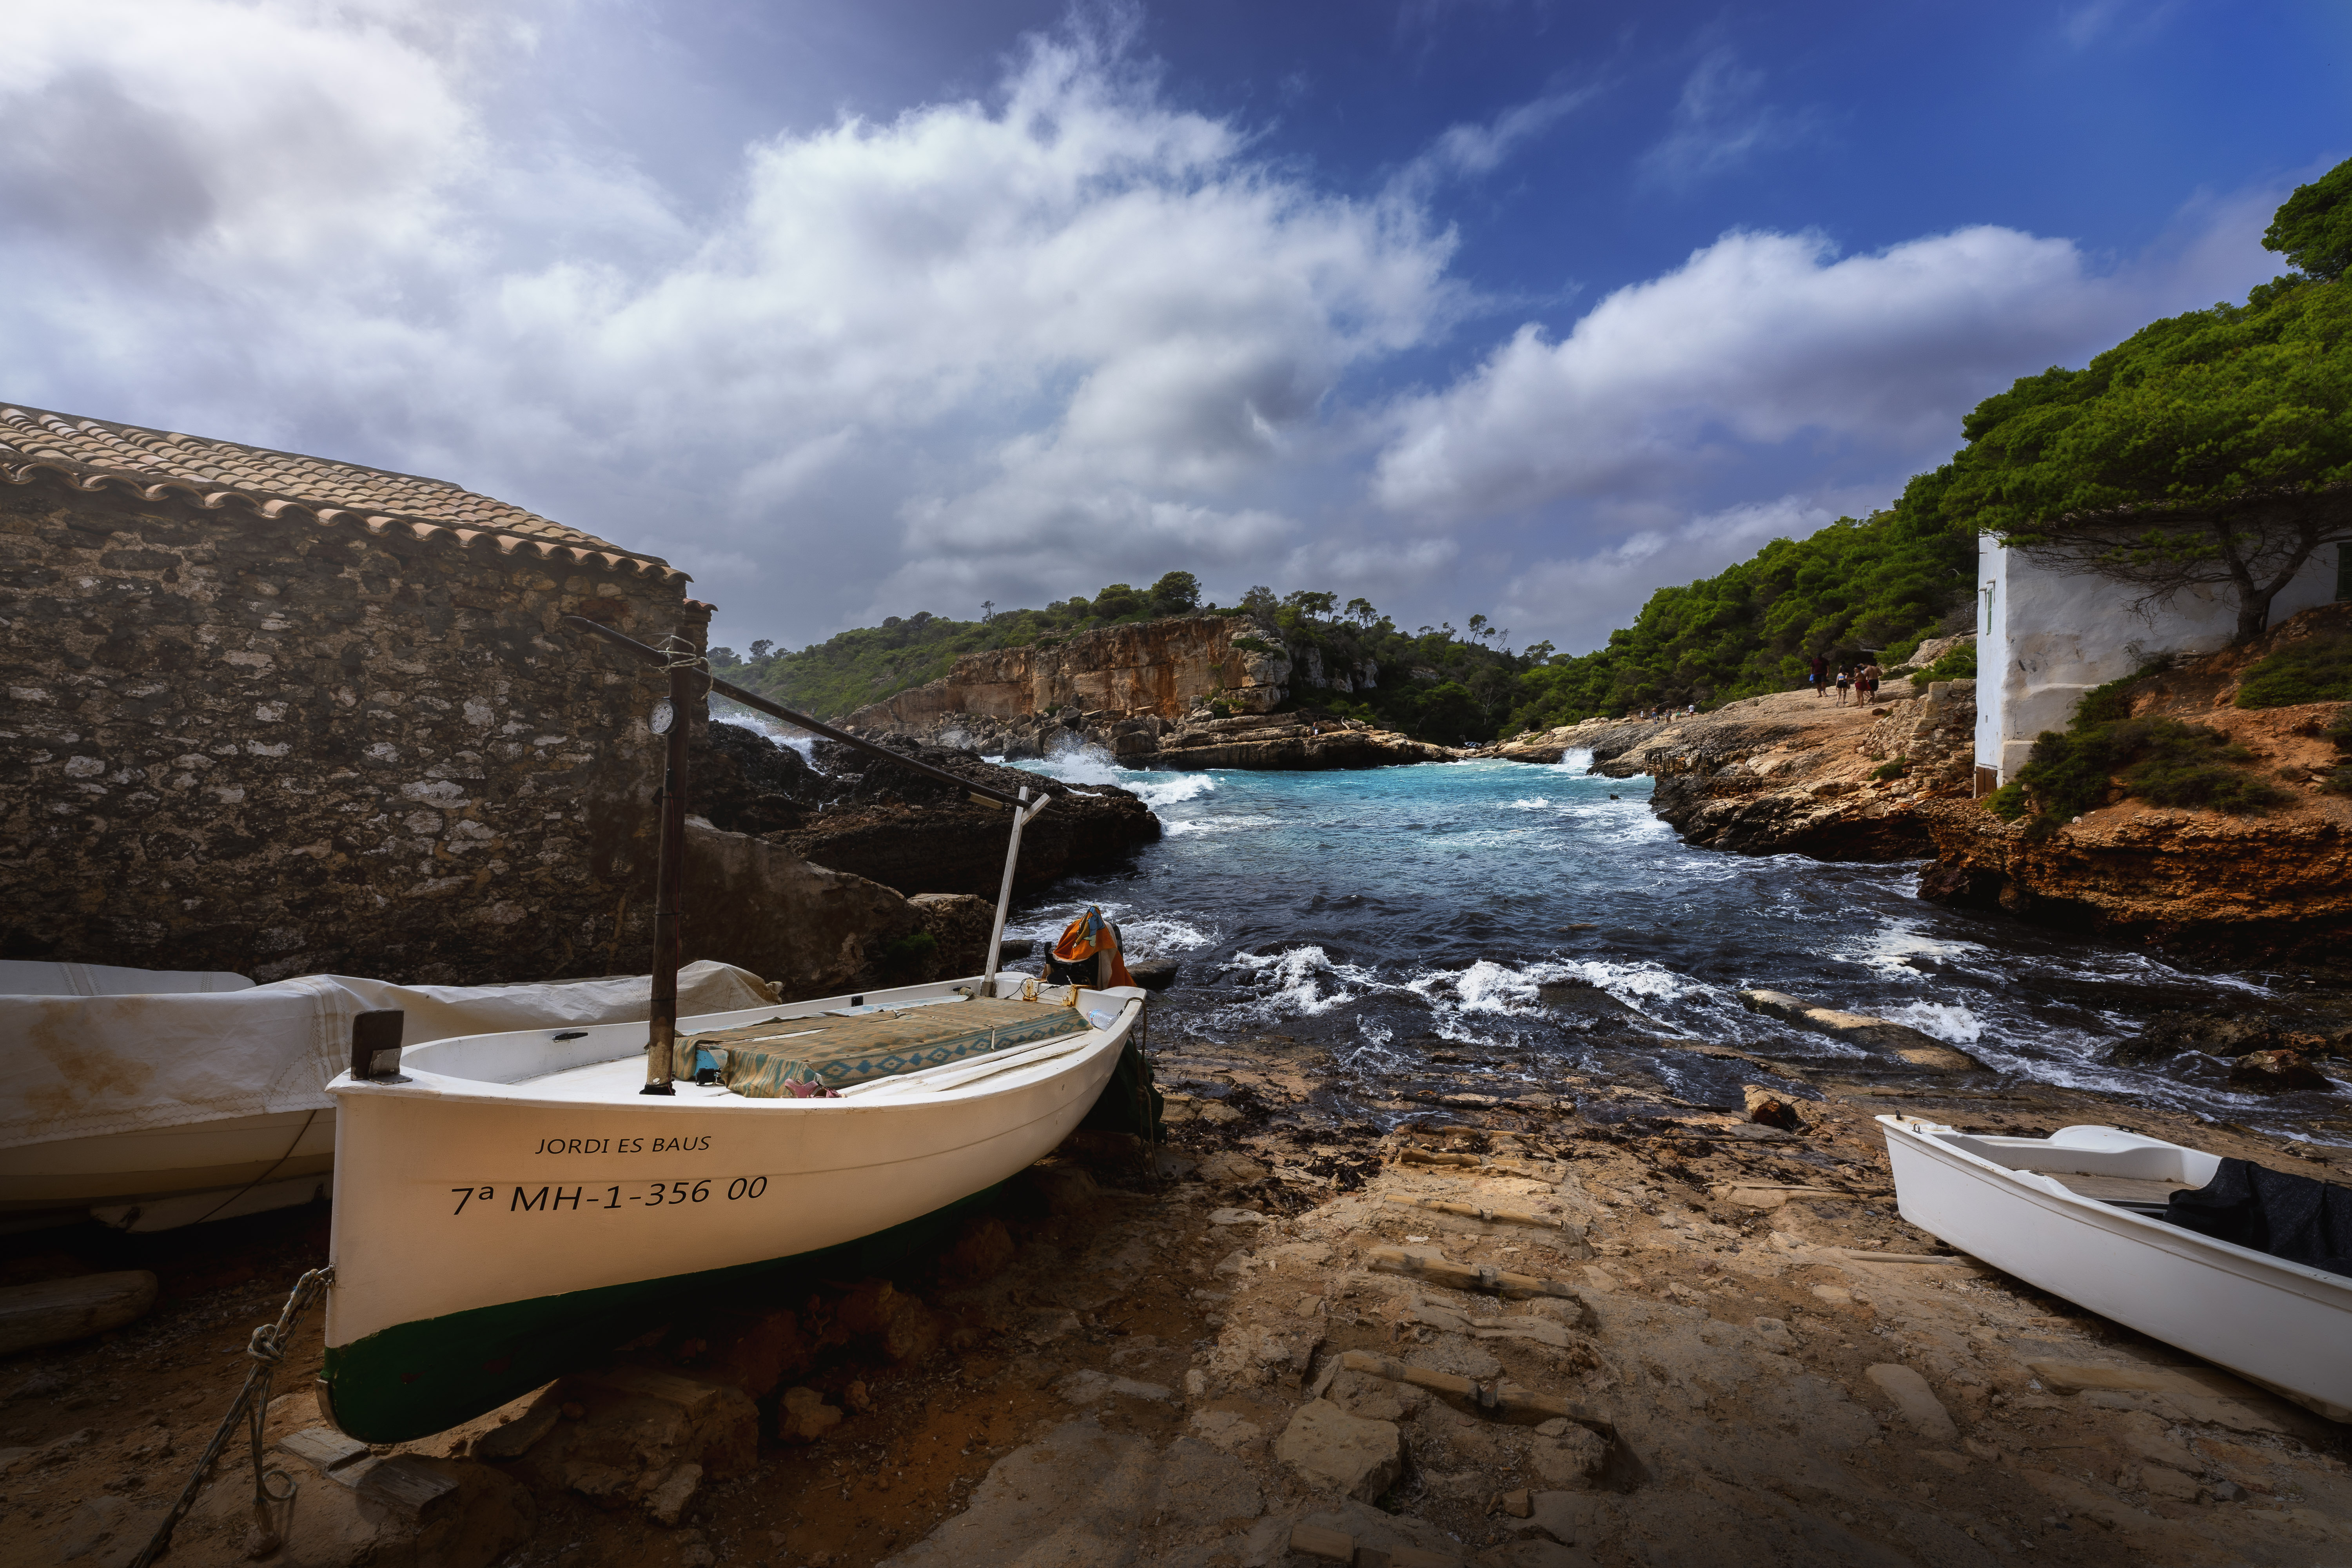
{"x":99,"y":453}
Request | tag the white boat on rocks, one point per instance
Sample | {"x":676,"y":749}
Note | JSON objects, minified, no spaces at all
{"x":507,"y":1205}
{"x":2082,"y":1215}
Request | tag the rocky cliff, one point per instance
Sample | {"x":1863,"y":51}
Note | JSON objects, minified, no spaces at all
{"x":1165,"y":668}
{"x":1188,"y":691}
{"x":2277,"y":881}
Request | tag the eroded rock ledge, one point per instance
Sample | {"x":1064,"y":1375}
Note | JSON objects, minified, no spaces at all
{"x":1790,"y":772}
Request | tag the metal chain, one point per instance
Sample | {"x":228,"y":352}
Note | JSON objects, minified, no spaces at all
{"x":266,"y":1349}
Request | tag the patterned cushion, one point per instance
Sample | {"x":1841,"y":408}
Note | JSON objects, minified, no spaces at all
{"x":761,"y":1060}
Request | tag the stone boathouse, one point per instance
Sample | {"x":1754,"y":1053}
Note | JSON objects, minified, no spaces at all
{"x":281,"y":715}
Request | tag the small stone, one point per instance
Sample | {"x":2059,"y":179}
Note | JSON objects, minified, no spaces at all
{"x":1517,"y":1504}
{"x":1235,"y":1217}
{"x":1563,"y":1515}
{"x":1329,"y":1448}
{"x":804,"y":1416}
{"x":669,"y":1500}
{"x":858,"y":1398}
{"x":1916,"y":1402}
{"x":1571,"y":1460}
{"x":1227,"y":1169}
{"x":1834,"y":1294}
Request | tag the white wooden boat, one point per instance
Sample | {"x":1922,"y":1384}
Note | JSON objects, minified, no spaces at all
{"x":2078,"y":1214}
{"x":151,"y":1098}
{"x":517,"y":1202}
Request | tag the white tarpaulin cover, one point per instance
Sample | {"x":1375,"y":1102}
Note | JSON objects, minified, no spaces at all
{"x":36,"y":977}
{"x":85,"y":1066}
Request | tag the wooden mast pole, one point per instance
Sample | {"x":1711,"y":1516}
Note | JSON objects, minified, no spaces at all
{"x":669,"y":882}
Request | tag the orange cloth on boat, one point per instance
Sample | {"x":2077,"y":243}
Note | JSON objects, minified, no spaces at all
{"x":1091,"y":936}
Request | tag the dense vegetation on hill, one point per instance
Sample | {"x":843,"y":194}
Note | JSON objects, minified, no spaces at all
{"x":1882,"y":584}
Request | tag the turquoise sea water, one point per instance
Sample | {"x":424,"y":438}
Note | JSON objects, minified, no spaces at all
{"x":1404,"y":918}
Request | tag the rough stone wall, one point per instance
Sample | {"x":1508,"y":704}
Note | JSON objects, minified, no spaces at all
{"x":278,"y":748}
{"x":1166,"y":666}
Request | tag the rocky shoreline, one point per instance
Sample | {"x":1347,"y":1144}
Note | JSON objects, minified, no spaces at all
{"x":1582,"y":1323}
{"x":1794,"y":772}
{"x":1200,"y":739}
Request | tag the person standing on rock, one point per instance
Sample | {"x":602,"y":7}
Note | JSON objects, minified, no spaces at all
{"x":1844,"y":678}
{"x":1820,"y":673}
{"x":1871,"y":675}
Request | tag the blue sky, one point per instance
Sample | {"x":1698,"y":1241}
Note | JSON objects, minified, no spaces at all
{"x":855,"y":310}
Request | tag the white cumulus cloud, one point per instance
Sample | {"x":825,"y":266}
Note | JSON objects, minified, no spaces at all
{"x":1757,"y":339}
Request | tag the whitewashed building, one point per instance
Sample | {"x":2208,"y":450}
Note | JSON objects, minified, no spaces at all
{"x":2046,"y":637}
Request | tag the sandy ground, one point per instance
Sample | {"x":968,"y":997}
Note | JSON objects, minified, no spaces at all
{"x":1117,"y":1366}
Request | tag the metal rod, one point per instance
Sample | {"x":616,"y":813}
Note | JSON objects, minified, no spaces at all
{"x":669,"y":887}
{"x":1021,"y":814}
{"x":774,"y":709}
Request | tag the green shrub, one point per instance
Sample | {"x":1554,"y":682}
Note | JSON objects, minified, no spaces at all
{"x":1960,"y":664}
{"x":2161,"y":760}
{"x":1253,"y":643}
{"x":2340,"y":733}
{"x":1892,"y":770}
{"x":2105,"y":704}
{"x":1219,"y":710}
{"x":2337,"y":783}
{"x":2317,"y":669}
{"x":909,"y":955}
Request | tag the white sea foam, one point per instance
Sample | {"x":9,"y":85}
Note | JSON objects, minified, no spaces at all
{"x":800,"y":741}
{"x":1145,"y":935}
{"x":1578,"y":761}
{"x":1948,"y":1021}
{"x":1080,"y":763}
{"x":1302,"y":982}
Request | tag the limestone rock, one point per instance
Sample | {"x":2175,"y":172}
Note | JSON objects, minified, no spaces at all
{"x":1078,"y":1495}
{"x":637,"y":1426}
{"x":1329,"y":1448}
{"x":1919,"y":1049}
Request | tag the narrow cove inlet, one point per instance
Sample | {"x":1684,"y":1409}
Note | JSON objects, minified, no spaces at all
{"x":1485,"y":926}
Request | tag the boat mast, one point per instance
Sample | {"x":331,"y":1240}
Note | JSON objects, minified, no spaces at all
{"x":1022,"y":814}
{"x":669,"y":871}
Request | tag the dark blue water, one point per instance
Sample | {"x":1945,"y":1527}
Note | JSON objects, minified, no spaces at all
{"x":1403,"y":918}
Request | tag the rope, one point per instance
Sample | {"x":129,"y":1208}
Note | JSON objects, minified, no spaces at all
{"x":679,"y":654}
{"x":267,"y":1350}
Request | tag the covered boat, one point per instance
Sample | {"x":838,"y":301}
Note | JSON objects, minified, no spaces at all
{"x":154,"y":1099}
{"x":509,"y":1204}
{"x":2083,"y":1215}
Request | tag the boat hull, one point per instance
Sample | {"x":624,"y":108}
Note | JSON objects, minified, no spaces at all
{"x":487,"y":1236}
{"x":148,"y":1164}
{"x":2278,"y":1323}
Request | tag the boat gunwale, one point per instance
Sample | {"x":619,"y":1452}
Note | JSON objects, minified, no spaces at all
{"x":446,"y":1088}
{"x":2188,"y":1245}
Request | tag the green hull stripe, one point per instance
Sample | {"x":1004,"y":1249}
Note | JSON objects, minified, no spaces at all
{"x":415,"y":1379}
